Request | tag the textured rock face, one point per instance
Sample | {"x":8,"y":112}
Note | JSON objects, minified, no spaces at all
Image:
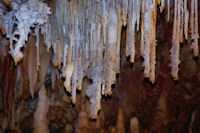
{"x":86,"y":45}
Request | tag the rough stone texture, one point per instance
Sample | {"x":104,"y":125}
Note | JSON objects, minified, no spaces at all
{"x":166,"y":106}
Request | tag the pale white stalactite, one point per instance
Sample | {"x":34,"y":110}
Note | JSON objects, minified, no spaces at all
{"x":91,"y":51}
{"x":57,"y":57}
{"x":124,"y":11}
{"x":186,"y":19}
{"x":194,"y":27}
{"x":40,"y":115}
{"x":168,"y":10}
{"x":68,"y":66}
{"x":74,"y":84}
{"x":110,"y":53}
{"x":37,"y":32}
{"x":175,"y":42}
{"x":65,"y":52}
{"x":134,"y":16}
{"x":80,"y":76}
{"x":104,"y":20}
{"x":119,"y":29}
{"x":74,"y":53}
{"x":138,"y":4}
{"x":130,"y":43}
{"x":142,"y":34}
{"x":181,"y":22}
{"x":80,"y":69}
{"x":80,"y":38}
{"x":47,"y":35}
{"x":69,"y":56}
{"x":95,"y":73}
{"x":94,"y":93}
{"x":147,"y":37}
{"x":68,"y":74}
{"x":192,"y":17}
{"x":58,"y":35}
{"x":153,"y":44}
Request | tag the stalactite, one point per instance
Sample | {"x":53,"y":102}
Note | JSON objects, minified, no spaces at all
{"x":168,"y":10}
{"x":146,"y":52}
{"x":68,"y":74}
{"x":75,"y":47}
{"x":149,"y":19}
{"x":138,"y":6}
{"x":153,"y":44}
{"x":95,"y":73}
{"x":110,"y":50}
{"x":142,"y":32}
{"x":175,"y":41}
{"x":37,"y":32}
{"x":194,"y":27}
{"x":186,"y":19}
{"x":47,"y":35}
{"x":74,"y":83}
{"x":134,"y":13}
{"x":124,"y":11}
{"x":32,"y":66}
{"x":181,"y":22}
{"x":192,"y":17}
{"x":119,"y":29}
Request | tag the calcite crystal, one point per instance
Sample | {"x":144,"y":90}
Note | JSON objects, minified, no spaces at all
{"x":32,"y":13}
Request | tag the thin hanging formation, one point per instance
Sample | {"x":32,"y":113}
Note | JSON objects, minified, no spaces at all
{"x":85,"y":38}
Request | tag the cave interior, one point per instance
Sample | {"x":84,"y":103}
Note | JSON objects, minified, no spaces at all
{"x":99,"y":66}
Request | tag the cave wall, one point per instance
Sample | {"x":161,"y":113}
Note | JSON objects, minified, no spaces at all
{"x":166,"y":106}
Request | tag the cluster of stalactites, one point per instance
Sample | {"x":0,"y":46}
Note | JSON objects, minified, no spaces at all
{"x":31,"y":13}
{"x":180,"y":26}
{"x":89,"y":45}
{"x":85,"y":36}
{"x":148,"y":38}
